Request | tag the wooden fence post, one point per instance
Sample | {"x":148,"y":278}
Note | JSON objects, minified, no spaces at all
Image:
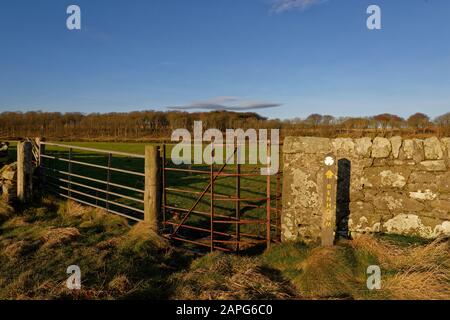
{"x":152,"y":204}
{"x":24,"y":171}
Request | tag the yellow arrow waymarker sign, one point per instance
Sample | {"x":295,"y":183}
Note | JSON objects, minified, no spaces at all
{"x":329,"y":174}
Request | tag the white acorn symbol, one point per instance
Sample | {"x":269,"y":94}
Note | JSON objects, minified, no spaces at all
{"x":329,"y":161}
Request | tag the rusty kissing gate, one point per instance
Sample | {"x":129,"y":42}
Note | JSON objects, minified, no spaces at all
{"x":203,"y":207}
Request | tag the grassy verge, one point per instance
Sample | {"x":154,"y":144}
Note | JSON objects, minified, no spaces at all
{"x":116,"y":260}
{"x":297,"y":271}
{"x":119,"y":261}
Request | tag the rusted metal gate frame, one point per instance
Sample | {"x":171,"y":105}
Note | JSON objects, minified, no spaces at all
{"x":238,"y":237}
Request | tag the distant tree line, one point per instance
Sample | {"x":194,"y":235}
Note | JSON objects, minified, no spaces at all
{"x":139,"y":125}
{"x":144,"y":125}
{"x":383,"y":124}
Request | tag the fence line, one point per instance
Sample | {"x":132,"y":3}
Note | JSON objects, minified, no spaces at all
{"x":222,"y":231}
{"x":93,"y":165}
{"x":118,"y":153}
{"x":93,"y":180}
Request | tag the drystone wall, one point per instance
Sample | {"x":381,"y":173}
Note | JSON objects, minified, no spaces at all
{"x":395,"y":185}
{"x":8,"y":182}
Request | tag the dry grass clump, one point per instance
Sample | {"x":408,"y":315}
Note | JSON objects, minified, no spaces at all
{"x":15,"y":222}
{"x":120,"y":284}
{"x":58,"y":236}
{"x":319,"y":272}
{"x":385,"y":252}
{"x":326,"y":273}
{"x":218,"y":276}
{"x":411,"y":272}
{"x":14,"y":250}
{"x":143,"y":231}
{"x":426,"y":257}
{"x":423,"y":273}
{"x":76,"y":209}
{"x":109,"y":244}
{"x":432,"y":284}
{"x":6,"y":211}
{"x":141,"y":238}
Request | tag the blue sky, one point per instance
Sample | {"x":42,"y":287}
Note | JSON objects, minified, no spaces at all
{"x":136,"y":55}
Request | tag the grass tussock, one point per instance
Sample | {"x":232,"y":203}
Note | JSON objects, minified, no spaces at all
{"x":57,"y":236}
{"x":219,"y":276}
{"x":414,"y":272}
{"x":423,"y":273}
{"x":5,"y":212}
{"x":325,"y":273}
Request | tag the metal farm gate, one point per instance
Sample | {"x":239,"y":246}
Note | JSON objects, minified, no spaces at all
{"x":103,"y":179}
{"x":228,"y":207}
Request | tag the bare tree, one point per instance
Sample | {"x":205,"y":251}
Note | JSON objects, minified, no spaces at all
{"x":418,"y":121}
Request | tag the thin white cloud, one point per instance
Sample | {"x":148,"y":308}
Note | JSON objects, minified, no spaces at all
{"x":227,"y":103}
{"x":280,"y":6}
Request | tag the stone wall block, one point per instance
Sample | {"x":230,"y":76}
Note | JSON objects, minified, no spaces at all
{"x":363,"y":147}
{"x":444,"y":183}
{"x":381,"y":148}
{"x":413,"y":149}
{"x":343,"y":146}
{"x":433,"y":149}
{"x":432,"y":165}
{"x":446,"y":146}
{"x":396,"y":143}
{"x":308,"y":145}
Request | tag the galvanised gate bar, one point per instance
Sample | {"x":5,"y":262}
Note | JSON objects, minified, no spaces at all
{"x":77,"y":173}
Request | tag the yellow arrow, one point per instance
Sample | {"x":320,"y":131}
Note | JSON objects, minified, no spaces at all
{"x":329,"y":174}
